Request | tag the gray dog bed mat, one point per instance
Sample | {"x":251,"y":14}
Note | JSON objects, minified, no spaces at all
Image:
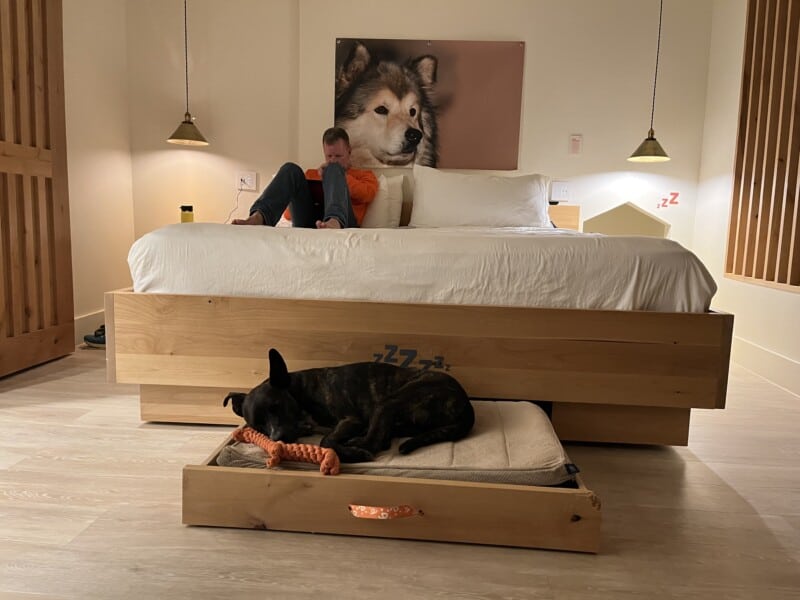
{"x":511,"y":442}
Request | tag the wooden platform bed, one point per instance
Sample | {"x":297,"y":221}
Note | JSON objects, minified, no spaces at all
{"x":603,"y":376}
{"x":606,"y":376}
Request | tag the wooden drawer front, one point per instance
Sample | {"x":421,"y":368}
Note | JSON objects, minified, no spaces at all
{"x":511,"y":515}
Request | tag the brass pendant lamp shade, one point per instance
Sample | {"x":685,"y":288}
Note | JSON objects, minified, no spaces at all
{"x":650,"y":150}
{"x":187,"y":132}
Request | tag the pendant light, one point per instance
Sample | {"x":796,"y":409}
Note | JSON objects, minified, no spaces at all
{"x":187,"y":132}
{"x":650,"y":150}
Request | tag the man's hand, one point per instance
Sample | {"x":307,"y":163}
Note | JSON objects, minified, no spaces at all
{"x":255,"y":219}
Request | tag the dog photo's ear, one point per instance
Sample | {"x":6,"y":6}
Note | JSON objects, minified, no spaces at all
{"x":355,"y":64}
{"x":426,"y":66}
{"x":278,"y":373}
{"x":237,"y":399}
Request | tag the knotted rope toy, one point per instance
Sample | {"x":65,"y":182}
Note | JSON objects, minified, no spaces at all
{"x":326,"y":458}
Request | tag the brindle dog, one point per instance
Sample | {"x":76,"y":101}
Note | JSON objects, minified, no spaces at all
{"x":362,"y":406}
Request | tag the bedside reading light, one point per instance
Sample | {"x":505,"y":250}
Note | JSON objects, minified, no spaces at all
{"x":187,"y":132}
{"x":650,"y":150}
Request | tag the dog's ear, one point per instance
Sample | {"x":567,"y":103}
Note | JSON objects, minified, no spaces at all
{"x":425,"y":67}
{"x":237,"y":399}
{"x":278,"y":373}
{"x":352,"y":68}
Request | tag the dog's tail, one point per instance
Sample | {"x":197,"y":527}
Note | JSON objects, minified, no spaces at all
{"x":446,"y":433}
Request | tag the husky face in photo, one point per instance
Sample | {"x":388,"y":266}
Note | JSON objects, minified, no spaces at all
{"x":387,"y":109}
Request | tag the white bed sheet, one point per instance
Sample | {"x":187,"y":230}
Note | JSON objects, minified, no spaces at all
{"x":533,"y":267}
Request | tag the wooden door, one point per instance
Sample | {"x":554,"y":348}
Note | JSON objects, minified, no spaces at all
{"x":36,"y":310}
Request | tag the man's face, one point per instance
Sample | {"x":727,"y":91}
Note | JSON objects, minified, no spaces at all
{"x":338,"y":152}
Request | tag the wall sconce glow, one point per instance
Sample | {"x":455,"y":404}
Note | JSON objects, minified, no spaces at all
{"x":187,"y":133}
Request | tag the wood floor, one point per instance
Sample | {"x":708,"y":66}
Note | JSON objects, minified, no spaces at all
{"x":90,"y":508}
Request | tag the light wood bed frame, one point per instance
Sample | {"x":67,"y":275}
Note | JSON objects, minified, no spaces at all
{"x":608,"y":376}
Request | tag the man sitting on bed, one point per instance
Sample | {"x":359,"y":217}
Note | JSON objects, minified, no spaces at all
{"x":346,"y":192}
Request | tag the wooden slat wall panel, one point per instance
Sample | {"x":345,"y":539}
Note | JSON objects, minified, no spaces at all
{"x":759,"y":150}
{"x":36,"y":310}
{"x":763,"y":237}
{"x":777,"y":46}
{"x":5,"y":262}
{"x":784,"y":171}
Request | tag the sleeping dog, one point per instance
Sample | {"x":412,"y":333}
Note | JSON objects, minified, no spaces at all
{"x":361,"y":406}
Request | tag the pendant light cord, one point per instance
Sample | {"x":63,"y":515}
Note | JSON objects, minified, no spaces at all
{"x":186,"y":51}
{"x":655,"y":79}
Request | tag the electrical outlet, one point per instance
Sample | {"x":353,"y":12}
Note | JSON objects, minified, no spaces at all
{"x":247,"y":181}
{"x":559,"y":191}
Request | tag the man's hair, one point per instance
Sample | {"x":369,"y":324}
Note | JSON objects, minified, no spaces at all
{"x":333,"y":135}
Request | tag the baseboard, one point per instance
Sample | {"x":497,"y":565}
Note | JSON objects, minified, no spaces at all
{"x":780,"y":370}
{"x":86,"y":324}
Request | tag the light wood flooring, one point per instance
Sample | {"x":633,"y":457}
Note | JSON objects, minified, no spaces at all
{"x":90,"y":508}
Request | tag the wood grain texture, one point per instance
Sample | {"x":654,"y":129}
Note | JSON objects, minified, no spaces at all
{"x":597,"y":357}
{"x":509,"y":515}
{"x":90,"y":509}
{"x":566,"y":216}
{"x":629,"y":424}
{"x":762,"y":241}
{"x":36,"y":310}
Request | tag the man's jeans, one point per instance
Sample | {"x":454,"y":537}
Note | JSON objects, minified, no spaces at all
{"x":289,"y":188}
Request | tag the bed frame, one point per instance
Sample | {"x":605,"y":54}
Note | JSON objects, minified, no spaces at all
{"x":604,"y":376}
{"x":607,"y":376}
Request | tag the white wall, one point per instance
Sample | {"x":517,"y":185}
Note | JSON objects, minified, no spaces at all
{"x":242,"y":90}
{"x":588,"y":69}
{"x":765,"y":329}
{"x":98,"y":153}
{"x":261,"y":86}
{"x":261,"y":79}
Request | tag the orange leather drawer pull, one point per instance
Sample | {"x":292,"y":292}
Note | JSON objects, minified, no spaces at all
{"x":383,"y":512}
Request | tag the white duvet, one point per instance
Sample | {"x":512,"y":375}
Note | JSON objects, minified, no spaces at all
{"x":532,"y":267}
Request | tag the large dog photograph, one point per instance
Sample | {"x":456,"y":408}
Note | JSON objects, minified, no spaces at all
{"x":447,"y":104}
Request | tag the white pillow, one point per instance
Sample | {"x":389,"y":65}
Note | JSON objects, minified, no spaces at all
{"x":385,"y":208}
{"x":395,"y":199}
{"x":377,"y":214}
{"x":453,"y":199}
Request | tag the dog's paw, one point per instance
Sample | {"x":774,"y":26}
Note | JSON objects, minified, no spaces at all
{"x":351,"y":454}
{"x":360,"y":442}
{"x":407,"y":447}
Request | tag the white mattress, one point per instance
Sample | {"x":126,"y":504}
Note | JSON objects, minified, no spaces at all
{"x":533,"y":267}
{"x":511,"y":442}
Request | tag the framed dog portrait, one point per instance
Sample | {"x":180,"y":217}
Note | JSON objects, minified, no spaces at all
{"x":447,"y":104}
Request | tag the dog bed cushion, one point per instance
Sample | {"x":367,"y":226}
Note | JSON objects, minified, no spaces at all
{"x":511,"y":442}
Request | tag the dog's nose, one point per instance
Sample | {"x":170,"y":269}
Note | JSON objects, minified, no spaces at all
{"x":275,"y":434}
{"x":413,"y":135}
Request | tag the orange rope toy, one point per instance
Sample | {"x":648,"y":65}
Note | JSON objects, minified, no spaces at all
{"x":326,"y":458}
